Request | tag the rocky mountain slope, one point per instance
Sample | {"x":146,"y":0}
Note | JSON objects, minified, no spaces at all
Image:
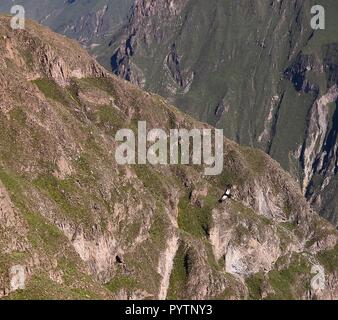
{"x":254,"y":68}
{"x":205,"y":52}
{"x":83,"y":227}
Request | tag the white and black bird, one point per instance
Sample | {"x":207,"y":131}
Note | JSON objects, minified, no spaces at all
{"x":227,"y":194}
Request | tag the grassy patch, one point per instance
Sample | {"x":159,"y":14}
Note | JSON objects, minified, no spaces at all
{"x":121,"y":282}
{"x":43,"y":234}
{"x":108,"y":119}
{"x":66,"y":195}
{"x":329,"y":259}
{"x":179,"y":275}
{"x":254,"y":284}
{"x":28,"y":56}
{"x":151,"y":180}
{"x":8,"y":260}
{"x":50,"y":89}
{"x":101,"y":83}
{"x":289,"y":225}
{"x":13,"y":185}
{"x":195,"y":220}
{"x":158,"y":229}
{"x":18,"y":115}
{"x":296,"y":278}
{"x":255,"y":159}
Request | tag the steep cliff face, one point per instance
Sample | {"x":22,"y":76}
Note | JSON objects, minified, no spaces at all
{"x":254,"y":68}
{"x":78,"y":225}
{"x":314,"y":74}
